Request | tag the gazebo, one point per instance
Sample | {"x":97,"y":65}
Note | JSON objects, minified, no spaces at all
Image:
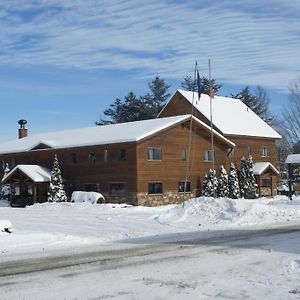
{"x":30,"y":183}
{"x":292,"y":160}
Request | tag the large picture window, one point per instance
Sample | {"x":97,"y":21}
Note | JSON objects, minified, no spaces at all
{"x":154,"y":154}
{"x":155,"y":188}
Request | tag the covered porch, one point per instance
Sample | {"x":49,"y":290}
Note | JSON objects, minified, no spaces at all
{"x":30,"y":184}
{"x":266,"y":178}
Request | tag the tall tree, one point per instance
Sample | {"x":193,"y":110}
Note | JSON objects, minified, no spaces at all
{"x":248,"y":184}
{"x":210,"y":184}
{"x":257,"y":102}
{"x":189,"y":84}
{"x":291,"y":115}
{"x":233,"y":183}
{"x":134,"y":108}
{"x":223,"y":183}
{"x":56,"y":191}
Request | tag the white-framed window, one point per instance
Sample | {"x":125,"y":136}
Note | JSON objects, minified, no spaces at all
{"x":209,"y":155}
{"x":105,"y":155}
{"x":249,"y":150}
{"x":154,"y":154}
{"x":230,"y":152}
{"x":264,"y":151}
{"x":183,"y":154}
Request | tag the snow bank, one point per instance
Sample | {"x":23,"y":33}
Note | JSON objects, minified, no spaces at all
{"x":90,"y":197}
{"x":5,"y":226}
{"x":4,"y":203}
{"x":206,"y":211}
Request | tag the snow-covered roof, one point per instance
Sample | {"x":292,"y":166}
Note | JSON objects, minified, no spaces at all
{"x":293,"y":159}
{"x":99,"y":135}
{"x":260,"y":167}
{"x":35,"y":172}
{"x":231,"y":116}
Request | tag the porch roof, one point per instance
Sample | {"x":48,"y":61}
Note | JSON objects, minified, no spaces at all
{"x":34,"y":172}
{"x":293,"y":159}
{"x":261,"y":167}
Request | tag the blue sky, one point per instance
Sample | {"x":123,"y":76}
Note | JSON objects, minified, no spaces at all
{"x":63,"y":62}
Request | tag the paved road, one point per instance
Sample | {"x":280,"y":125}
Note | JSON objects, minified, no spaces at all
{"x":145,"y":250}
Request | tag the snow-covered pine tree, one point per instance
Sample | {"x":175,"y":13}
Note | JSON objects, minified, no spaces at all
{"x":56,"y":189}
{"x":204,"y":185}
{"x":6,"y":189}
{"x":223,"y":183}
{"x":243,"y":177}
{"x":233,"y":183}
{"x":248,"y":184}
{"x":210,"y":184}
{"x":252,"y":186}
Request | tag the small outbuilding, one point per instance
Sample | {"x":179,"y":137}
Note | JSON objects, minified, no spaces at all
{"x":293,"y":161}
{"x":30,"y":184}
{"x":266,"y":178}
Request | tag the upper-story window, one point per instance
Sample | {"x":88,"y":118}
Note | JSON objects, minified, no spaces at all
{"x":73,"y":158}
{"x":230,"y":152}
{"x":122,"y":154}
{"x":105,"y":155}
{"x":61,"y":159}
{"x":183,"y":154}
{"x":209,"y":155}
{"x":249,"y":150}
{"x":92,"y":157}
{"x":154,"y":154}
{"x":264,"y":151}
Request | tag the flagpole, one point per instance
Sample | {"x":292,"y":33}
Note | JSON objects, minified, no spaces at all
{"x":211,"y":95}
{"x":190,"y":135}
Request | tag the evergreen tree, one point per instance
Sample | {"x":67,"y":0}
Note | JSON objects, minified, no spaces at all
{"x":56,"y":191}
{"x":248,"y":184}
{"x":223,"y":183}
{"x":258,"y":102}
{"x":233,"y":183}
{"x":189,"y":84}
{"x":6,"y":189}
{"x":210,"y":184}
{"x":135,"y":108}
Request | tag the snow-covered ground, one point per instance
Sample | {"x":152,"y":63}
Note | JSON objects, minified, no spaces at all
{"x":51,"y":226}
{"x":223,"y":251}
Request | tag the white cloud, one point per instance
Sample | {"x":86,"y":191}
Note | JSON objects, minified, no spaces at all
{"x":249,"y":42}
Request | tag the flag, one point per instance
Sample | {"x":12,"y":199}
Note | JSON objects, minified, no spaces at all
{"x":199,"y":88}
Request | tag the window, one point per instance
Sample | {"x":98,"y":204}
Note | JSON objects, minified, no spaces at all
{"x":181,"y":186}
{"x":92,"y":187}
{"x":73,"y":158}
{"x":183,"y":154}
{"x":155,"y":188}
{"x":92,"y":157}
{"x":105,"y":155}
{"x":61,"y":159}
{"x":154,"y":154}
{"x":266,"y":182}
{"x":249,"y":150}
{"x":230,"y":152}
{"x":264,"y":151}
{"x":208,"y":155}
{"x":117,"y":189}
{"x":122,"y":154}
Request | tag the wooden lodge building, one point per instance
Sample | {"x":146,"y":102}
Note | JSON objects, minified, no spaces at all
{"x":145,"y":162}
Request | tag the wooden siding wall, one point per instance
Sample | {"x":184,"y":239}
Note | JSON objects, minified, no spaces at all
{"x":171,"y":169}
{"x":242,"y":146}
{"x":84,"y":172}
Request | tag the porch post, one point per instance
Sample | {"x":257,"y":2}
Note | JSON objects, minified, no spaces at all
{"x":34,"y":192}
{"x":290,"y":180}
